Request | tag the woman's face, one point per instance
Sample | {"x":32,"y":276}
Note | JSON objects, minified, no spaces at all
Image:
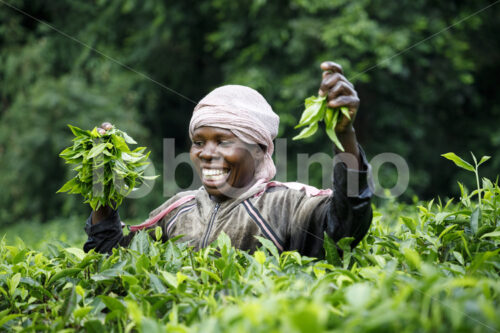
{"x":224,"y":163}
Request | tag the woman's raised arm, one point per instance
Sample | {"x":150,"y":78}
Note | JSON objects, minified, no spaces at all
{"x":341,"y":93}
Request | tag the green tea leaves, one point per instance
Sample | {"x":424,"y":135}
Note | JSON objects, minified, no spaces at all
{"x":458,"y":161}
{"x":107,"y":170}
{"x":467,"y":166}
{"x":316,"y":111}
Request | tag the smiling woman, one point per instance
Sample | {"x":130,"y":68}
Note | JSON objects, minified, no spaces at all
{"x":232,"y":131}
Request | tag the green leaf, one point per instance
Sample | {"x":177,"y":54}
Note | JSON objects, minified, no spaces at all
{"x":210,"y":274}
{"x":330,"y":131}
{"x":128,"y":139}
{"x":7,"y":318}
{"x":120,"y":143}
{"x":64,"y":273}
{"x":14,"y":282}
{"x":412,"y":257}
{"x":170,"y":278}
{"x":458,"y":161}
{"x":69,"y":185}
{"x":223,"y":241}
{"x":459,"y":257}
{"x":68,"y":153}
{"x":260,"y":257}
{"x":345,"y":243}
{"x":307,"y":132}
{"x":448,"y":229}
{"x":94,"y":326}
{"x":345,"y":112}
{"x":312,"y":113}
{"x":97,"y":150}
{"x":140,"y":242}
{"x":483,"y":159}
{"x":475,"y":218}
{"x":94,"y":133}
{"x":331,"y":253}
{"x":113,"y":303}
{"x":410,"y":223}
{"x":80,"y":313}
{"x":157,"y":285}
{"x":78,"y":131}
{"x":158,"y":233}
{"x":358,"y":295}
{"x":69,"y":304}
{"x":269,"y":246}
{"x":493,"y":234}
{"x":77,"y":252}
{"x":328,"y":117}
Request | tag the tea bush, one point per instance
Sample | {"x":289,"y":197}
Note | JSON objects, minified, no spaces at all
{"x":433,"y":267}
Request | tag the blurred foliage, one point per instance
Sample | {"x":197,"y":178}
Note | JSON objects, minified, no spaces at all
{"x":437,"y":97}
{"x":41,"y":235}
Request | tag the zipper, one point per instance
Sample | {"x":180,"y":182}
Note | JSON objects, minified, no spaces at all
{"x":209,"y":227}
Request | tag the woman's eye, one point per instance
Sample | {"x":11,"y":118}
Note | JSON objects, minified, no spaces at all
{"x":225,"y":142}
{"x":197,"y":143}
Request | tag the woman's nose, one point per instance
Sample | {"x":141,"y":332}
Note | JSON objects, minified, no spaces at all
{"x":208,"y":152}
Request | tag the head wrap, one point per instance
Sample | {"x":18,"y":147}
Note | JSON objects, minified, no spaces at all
{"x":243,"y":111}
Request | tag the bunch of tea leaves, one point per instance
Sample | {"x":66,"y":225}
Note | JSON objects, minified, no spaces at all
{"x":316,"y":111}
{"x":107,"y":170}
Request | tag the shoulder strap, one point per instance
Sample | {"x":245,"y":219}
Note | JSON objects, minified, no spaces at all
{"x":152,"y":221}
{"x":310,"y":191}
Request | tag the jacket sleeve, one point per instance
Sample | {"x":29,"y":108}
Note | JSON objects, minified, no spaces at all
{"x":105,"y":235}
{"x":350,"y":215}
{"x":340,"y":215}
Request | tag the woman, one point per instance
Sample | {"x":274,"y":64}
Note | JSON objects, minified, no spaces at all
{"x":232,"y":131}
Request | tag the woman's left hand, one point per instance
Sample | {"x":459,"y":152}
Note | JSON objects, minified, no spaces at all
{"x":340,"y":92}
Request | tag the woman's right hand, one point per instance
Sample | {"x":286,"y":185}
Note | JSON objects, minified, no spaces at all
{"x":101,"y":213}
{"x":104,"y":211}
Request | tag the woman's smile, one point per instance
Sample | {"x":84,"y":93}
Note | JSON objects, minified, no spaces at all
{"x":214,"y":177}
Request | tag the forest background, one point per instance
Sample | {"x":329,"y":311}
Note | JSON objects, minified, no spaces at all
{"x":426,"y":73}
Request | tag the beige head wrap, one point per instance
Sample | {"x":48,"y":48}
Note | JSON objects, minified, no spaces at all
{"x":243,"y":111}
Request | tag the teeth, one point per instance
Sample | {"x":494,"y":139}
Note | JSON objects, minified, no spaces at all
{"x":213,"y":174}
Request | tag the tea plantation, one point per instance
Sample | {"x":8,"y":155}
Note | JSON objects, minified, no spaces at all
{"x":431,"y":267}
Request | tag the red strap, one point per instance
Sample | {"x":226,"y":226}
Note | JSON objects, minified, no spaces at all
{"x":152,"y":221}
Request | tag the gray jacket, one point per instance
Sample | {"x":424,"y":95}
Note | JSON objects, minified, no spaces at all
{"x":290,"y":218}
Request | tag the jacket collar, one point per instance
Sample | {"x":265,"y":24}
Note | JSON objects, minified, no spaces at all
{"x":207,"y":205}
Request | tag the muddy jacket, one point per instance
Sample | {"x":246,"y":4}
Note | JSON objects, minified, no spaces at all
{"x":291,"y":218}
